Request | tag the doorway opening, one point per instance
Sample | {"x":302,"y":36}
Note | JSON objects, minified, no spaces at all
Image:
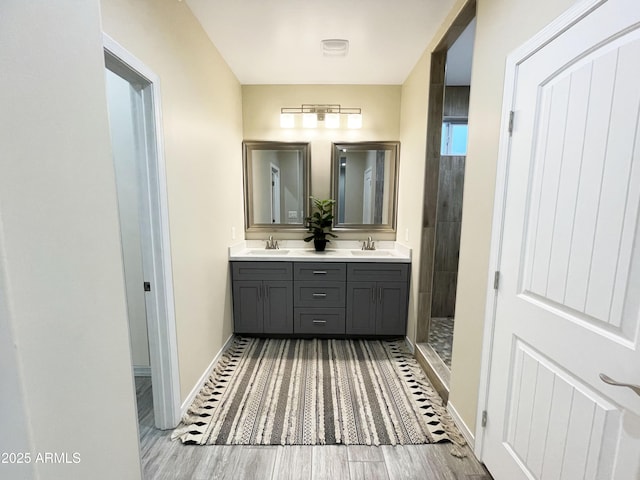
{"x":449,"y":91}
{"x":134,"y":117}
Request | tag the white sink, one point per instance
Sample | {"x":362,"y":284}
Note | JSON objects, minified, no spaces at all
{"x":371,"y":253}
{"x":264,"y":251}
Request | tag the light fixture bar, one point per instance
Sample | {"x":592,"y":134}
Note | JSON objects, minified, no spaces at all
{"x":328,"y":113}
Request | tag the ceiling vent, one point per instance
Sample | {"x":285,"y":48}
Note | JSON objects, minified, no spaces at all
{"x":335,"y":47}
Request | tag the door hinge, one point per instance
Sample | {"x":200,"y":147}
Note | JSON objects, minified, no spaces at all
{"x":511,"y":115}
{"x":484,"y":418}
{"x":147,"y":286}
{"x":496,"y":279}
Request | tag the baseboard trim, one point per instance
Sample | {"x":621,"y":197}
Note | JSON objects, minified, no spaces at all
{"x":410,"y":345}
{"x":203,"y":378}
{"x":141,"y":371}
{"x":435,"y":369}
{"x":464,"y":429}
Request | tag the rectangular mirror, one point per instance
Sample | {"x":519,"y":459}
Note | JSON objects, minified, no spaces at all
{"x":365,"y":185}
{"x":276,"y":185}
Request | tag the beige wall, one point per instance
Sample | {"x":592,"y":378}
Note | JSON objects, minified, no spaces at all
{"x":381,"y":121}
{"x":67,"y":385}
{"x":502,"y":26}
{"x":202,"y":123}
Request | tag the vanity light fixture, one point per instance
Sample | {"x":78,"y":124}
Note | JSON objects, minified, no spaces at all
{"x":309,"y":120}
{"x":332,"y":120}
{"x":354,"y":121}
{"x":287,"y":120}
{"x":329,"y":114}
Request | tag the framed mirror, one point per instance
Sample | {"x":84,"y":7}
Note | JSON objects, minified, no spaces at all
{"x":276,"y":185}
{"x":364,"y":185}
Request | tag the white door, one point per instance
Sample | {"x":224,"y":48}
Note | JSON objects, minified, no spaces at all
{"x":367,"y":197}
{"x":275,"y":194}
{"x":568,"y":302}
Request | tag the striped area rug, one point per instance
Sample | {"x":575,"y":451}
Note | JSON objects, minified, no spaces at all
{"x":316,"y":392}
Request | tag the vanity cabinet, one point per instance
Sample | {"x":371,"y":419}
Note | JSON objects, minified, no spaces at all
{"x":320,"y":298}
{"x":377,"y":299}
{"x":262,"y":297}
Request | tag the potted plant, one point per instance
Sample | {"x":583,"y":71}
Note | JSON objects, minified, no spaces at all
{"x":319,"y":223}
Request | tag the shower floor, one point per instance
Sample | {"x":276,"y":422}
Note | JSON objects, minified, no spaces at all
{"x":441,"y":338}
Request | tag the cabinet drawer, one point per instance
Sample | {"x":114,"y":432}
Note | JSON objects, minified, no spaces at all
{"x":320,"y":271}
{"x":319,"y":294}
{"x":390,"y":272}
{"x":319,"y":321}
{"x":262,"y":270}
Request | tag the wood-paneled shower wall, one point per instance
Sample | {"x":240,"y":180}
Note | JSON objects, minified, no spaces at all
{"x":449,"y":214}
{"x":442,"y":217}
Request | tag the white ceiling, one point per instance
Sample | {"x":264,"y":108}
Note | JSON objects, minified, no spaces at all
{"x":278,"y":41}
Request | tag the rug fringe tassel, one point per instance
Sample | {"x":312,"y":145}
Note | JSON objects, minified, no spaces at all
{"x":432,"y":396}
{"x":196,"y":411}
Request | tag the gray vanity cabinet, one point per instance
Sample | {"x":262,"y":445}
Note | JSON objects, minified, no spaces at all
{"x":377,"y":299}
{"x":262,"y":297}
{"x":320,"y":298}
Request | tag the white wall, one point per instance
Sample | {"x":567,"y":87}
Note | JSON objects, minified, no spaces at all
{"x":13,"y":407}
{"x":202,"y":125}
{"x":67,"y":385}
{"x":125,"y":158}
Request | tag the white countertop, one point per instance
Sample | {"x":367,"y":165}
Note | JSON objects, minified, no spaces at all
{"x":336,"y":251}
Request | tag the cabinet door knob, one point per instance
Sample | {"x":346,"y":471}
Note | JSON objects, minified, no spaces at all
{"x":319,"y":272}
{"x":319,"y":295}
{"x":319,"y":321}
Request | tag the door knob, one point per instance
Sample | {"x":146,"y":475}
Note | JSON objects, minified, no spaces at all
{"x":611,"y":381}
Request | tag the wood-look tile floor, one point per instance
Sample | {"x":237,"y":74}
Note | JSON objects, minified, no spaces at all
{"x":163,"y":459}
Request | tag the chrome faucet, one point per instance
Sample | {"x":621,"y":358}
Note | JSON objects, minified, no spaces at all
{"x":272,"y":244}
{"x":369,"y":244}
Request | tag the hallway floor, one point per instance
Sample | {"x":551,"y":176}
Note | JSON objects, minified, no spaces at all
{"x":164,"y":459}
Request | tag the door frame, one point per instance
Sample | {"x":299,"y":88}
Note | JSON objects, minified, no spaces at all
{"x":155,"y":243}
{"x":542,"y":38}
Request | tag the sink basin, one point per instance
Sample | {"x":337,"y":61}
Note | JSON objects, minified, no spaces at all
{"x":371,"y":253}
{"x":264,"y":251}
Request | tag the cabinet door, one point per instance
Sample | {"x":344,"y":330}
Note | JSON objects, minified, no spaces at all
{"x":391,"y":309}
{"x":361,"y":308}
{"x":278,"y":306}
{"x":247,"y":306}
